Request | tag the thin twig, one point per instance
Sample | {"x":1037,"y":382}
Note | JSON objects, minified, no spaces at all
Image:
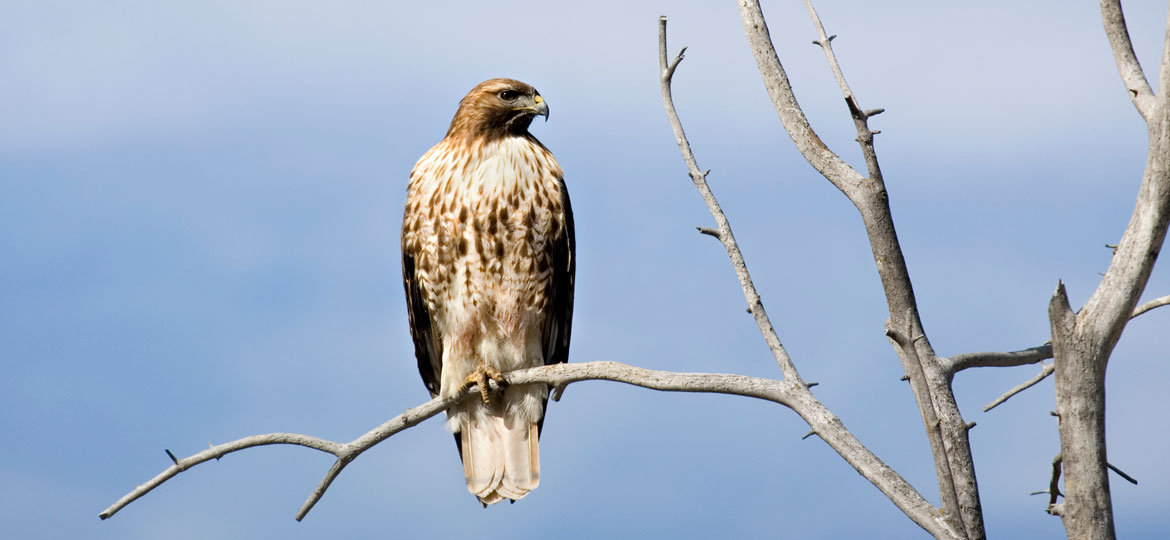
{"x":217,"y":452}
{"x":1044,"y":373}
{"x":1122,"y":474}
{"x":860,"y":117}
{"x":709,"y":232}
{"x":755,"y":306}
{"x":1155,"y":303}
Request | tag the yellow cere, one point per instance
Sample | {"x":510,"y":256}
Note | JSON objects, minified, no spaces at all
{"x":539,"y":99}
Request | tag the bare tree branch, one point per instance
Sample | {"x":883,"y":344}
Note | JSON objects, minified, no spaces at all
{"x":1083,"y":341}
{"x":1033,"y":355}
{"x":959,"y":362}
{"x":725,"y":236}
{"x":792,"y":395}
{"x":900,"y":492}
{"x":942,"y":421}
{"x":1155,"y":303}
{"x":1122,"y":474}
{"x":345,"y":452}
{"x":1127,"y":63}
{"x":1044,"y":373}
{"x":860,"y":117}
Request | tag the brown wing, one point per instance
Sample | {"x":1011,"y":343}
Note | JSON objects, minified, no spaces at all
{"x":559,"y":323}
{"x":427,"y":348}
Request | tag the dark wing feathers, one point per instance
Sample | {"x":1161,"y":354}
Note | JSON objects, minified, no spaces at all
{"x":559,"y":323}
{"x":427,"y":350}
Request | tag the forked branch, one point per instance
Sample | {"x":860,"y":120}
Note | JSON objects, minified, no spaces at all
{"x":793,"y":395}
{"x":944,"y":425}
{"x":345,"y":452}
{"x":822,"y":422}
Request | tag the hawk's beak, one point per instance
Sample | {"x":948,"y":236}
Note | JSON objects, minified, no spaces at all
{"x":540,"y":107}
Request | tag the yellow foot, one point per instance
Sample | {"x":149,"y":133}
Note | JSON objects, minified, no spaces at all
{"x":480,"y":377}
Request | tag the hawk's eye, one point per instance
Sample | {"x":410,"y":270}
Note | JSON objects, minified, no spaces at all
{"x":509,"y":95}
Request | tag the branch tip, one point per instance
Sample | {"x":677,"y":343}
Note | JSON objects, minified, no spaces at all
{"x":1122,"y":474}
{"x":710,"y":232}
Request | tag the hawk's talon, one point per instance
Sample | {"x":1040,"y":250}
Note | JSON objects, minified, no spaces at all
{"x":480,"y":378}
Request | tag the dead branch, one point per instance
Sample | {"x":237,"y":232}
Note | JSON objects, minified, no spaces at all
{"x":345,"y":452}
{"x":1023,"y":357}
{"x":1044,"y":373}
{"x":1155,"y":303}
{"x":944,"y":425}
{"x":1127,"y":64}
{"x":1084,"y":340}
{"x":723,"y":233}
{"x":812,"y":411}
{"x":792,"y":395}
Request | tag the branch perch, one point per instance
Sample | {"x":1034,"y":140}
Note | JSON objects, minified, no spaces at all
{"x":791,"y":395}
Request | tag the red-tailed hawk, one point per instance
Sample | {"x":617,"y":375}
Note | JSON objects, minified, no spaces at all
{"x":488,"y":264}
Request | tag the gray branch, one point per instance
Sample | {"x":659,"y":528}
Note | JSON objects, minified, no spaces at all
{"x":824,"y":424}
{"x":1032,"y":355}
{"x":723,"y":233}
{"x":1127,"y":63}
{"x":787,"y":393}
{"x":1084,"y":340}
{"x":1155,"y":303}
{"x":1024,"y":357}
{"x":345,"y":452}
{"x":930,"y":383}
{"x":1044,"y":373}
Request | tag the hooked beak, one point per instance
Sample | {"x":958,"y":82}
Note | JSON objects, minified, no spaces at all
{"x":540,"y":107}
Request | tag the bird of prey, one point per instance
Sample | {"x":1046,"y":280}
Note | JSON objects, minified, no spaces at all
{"x":488,"y":261}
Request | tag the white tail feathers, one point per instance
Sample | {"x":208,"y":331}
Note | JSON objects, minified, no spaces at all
{"x":501,"y":457}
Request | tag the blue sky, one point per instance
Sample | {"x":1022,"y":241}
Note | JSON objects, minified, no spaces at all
{"x":199,"y":212}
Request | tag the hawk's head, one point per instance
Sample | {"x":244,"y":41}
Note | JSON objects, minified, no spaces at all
{"x":497,"y":108}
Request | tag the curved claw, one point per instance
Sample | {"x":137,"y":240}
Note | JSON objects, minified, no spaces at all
{"x":480,"y":378}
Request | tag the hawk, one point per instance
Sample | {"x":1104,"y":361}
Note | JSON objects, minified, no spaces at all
{"x":488,"y":263}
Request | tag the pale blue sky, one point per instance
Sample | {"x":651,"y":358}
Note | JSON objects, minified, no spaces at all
{"x":199,"y":212}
